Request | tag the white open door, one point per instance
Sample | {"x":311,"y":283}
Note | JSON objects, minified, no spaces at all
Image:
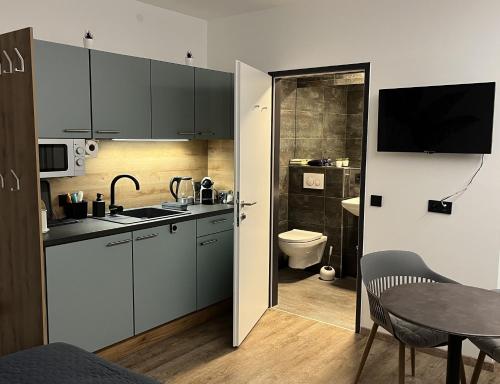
{"x":252,"y":143}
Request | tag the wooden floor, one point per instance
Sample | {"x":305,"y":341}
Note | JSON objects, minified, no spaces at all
{"x":303,"y":293}
{"x":283,"y":348}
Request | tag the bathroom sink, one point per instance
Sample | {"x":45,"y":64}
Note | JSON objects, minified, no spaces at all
{"x":351,"y":205}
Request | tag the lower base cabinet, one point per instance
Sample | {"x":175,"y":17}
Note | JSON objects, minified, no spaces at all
{"x":102,"y":291}
{"x":164,"y":274}
{"x":89,"y":292}
{"x":214,"y":268}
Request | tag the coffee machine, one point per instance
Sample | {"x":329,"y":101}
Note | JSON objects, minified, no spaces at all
{"x":207,"y":193}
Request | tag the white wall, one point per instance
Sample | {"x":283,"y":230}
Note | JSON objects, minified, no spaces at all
{"x":120,"y":26}
{"x":408,"y":43}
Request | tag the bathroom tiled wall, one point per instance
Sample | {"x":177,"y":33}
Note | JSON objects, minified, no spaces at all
{"x":319,"y":117}
{"x":326,"y":114}
{"x":287,"y":95}
{"x":321,"y":210}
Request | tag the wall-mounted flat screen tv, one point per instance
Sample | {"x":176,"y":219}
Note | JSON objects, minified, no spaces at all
{"x":446,"y":119}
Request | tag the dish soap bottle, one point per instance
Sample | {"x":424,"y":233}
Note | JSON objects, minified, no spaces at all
{"x":99,"y":206}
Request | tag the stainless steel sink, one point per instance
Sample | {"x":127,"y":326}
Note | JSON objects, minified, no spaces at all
{"x":150,"y":213}
{"x":131,"y":216}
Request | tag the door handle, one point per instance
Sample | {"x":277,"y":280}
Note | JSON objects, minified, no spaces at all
{"x":185,"y":133}
{"x":120,"y":242}
{"x":76,"y":130}
{"x":18,"y":182}
{"x":145,"y":237}
{"x":243,"y":204}
{"x":219,"y":221}
{"x":213,"y":241}
{"x":110,"y":132}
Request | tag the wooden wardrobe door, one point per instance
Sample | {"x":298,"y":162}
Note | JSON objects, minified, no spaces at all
{"x":21,"y":292}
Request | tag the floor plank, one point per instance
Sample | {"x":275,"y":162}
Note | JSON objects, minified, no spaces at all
{"x":302,"y":293}
{"x":283,"y":348}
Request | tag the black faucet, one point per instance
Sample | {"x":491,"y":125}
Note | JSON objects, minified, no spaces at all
{"x":114,"y":209}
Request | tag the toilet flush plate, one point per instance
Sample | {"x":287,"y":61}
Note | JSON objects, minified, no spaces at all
{"x":314,"y":181}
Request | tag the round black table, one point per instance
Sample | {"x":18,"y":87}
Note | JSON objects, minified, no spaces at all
{"x":458,"y":310}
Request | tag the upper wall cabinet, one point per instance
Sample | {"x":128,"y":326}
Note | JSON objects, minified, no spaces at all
{"x":121,"y":96}
{"x":172,"y":97}
{"x":213,"y":104}
{"x":62,"y":81}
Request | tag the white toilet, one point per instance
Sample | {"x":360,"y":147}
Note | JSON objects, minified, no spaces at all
{"x":303,"y":248}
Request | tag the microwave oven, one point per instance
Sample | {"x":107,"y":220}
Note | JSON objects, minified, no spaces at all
{"x":61,"y":157}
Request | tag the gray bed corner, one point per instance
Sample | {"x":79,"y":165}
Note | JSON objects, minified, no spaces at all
{"x":61,"y":363}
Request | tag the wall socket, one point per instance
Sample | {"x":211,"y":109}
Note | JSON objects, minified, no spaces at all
{"x":376,"y":200}
{"x":438,"y":206}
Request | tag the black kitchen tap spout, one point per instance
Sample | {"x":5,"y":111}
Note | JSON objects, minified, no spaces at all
{"x":113,"y":183}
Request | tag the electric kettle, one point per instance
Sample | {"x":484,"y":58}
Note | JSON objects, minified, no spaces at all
{"x":181,"y":188}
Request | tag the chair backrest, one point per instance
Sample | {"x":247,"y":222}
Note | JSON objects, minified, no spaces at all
{"x":386,"y":269}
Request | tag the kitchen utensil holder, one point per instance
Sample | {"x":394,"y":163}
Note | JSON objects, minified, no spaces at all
{"x":76,"y":210}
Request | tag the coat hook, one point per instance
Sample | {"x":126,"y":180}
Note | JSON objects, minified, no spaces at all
{"x":10,"y":62}
{"x":18,"y":182}
{"x":21,"y":59}
{"x":263,"y":109}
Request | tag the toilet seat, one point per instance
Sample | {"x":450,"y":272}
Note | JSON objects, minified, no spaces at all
{"x":299,"y":236}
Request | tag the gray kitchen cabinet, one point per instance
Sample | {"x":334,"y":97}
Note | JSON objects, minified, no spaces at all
{"x":90,"y":292}
{"x":213,"y":104}
{"x":121,"y":96}
{"x":62,"y":79}
{"x":164,"y":274}
{"x":214,"y":268}
{"x":172,"y":98}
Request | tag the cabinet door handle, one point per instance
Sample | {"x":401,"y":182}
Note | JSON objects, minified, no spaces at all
{"x":76,"y":130}
{"x":145,"y":237}
{"x":185,"y":133}
{"x":110,"y":132}
{"x":219,"y":221}
{"x":18,"y":182}
{"x":209,"y":133}
{"x":119,"y":242}
{"x":208,"y":242}
{"x":2,"y":182}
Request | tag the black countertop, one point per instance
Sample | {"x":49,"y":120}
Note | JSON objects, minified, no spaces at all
{"x":91,"y":228}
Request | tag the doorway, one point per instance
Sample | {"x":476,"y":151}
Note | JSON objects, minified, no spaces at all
{"x":319,"y":114}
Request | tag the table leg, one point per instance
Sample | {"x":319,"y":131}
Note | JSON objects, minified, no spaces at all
{"x":454,"y":359}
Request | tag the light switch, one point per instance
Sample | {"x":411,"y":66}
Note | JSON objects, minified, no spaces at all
{"x":314,"y":181}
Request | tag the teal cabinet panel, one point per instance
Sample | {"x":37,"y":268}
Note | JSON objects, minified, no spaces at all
{"x":90,"y":292}
{"x":214,"y":100}
{"x":164,"y":274}
{"x":121,"y":96}
{"x":214,"y":268}
{"x":172,"y":97}
{"x":62,"y":77}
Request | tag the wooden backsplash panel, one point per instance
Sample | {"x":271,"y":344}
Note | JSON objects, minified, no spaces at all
{"x":152,"y":163}
{"x":221,"y":164}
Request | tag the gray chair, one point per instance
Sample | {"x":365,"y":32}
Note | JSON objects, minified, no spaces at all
{"x":487,"y":346}
{"x":381,"y":271}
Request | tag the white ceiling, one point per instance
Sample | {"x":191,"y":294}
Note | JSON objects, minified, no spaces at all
{"x":212,"y":9}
